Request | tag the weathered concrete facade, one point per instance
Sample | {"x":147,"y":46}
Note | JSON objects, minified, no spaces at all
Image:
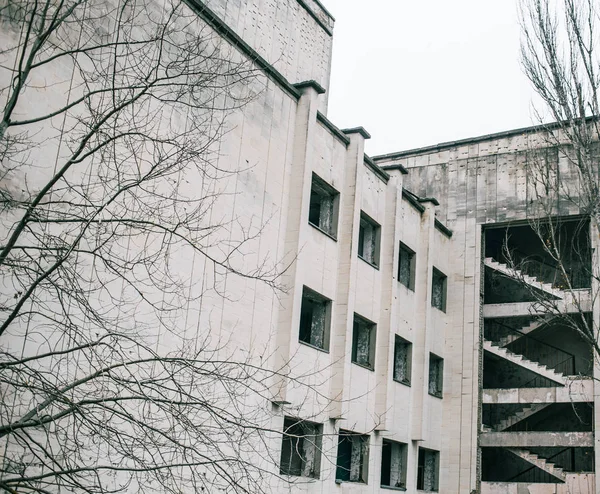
{"x":502,"y":338}
{"x":385,"y":308}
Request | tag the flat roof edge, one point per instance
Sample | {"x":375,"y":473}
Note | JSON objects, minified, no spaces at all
{"x":471,"y":140}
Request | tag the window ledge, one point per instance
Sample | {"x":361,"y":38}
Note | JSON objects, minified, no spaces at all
{"x":412,"y":289}
{"x":340,"y":481}
{"x":391,"y":488}
{"x":313,"y":346}
{"x":369,"y":263}
{"x":371,"y":368}
{"x":444,"y":311}
{"x":405,"y":382}
{"x":324,"y":232}
{"x":440,"y":396}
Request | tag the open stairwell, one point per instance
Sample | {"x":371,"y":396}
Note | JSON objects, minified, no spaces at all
{"x":541,"y":463}
{"x":539,"y":369}
{"x":522,"y":414}
{"x":521,"y":277}
{"x":515,"y":335}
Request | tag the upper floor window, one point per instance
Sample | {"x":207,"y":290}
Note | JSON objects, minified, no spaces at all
{"x":352,"y":457}
{"x":436,"y":375}
{"x":406,"y":267}
{"x":363,"y":342}
{"x":315,"y":319}
{"x":324,"y":205}
{"x":301,"y":448}
{"x":402,"y":360}
{"x":369,"y":234}
{"x":439,"y":290}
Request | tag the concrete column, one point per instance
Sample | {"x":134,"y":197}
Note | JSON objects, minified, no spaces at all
{"x":389,"y":261}
{"x":349,"y":220}
{"x":420,"y":373}
{"x":299,"y":183}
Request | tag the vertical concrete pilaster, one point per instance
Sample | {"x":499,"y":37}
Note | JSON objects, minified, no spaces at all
{"x":298,"y":186}
{"x":420,"y":347}
{"x":349,"y":220}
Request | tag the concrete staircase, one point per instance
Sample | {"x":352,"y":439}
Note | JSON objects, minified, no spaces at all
{"x":540,"y":321}
{"x":539,"y":369}
{"x":541,"y":463}
{"x":522,"y":414}
{"x":521,"y":277}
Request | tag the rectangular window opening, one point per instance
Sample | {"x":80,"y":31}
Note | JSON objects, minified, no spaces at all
{"x":402,"y":360}
{"x":364,"y":333}
{"x":436,"y":375}
{"x":406,"y":267}
{"x":439,"y":290}
{"x":315,"y":319}
{"x":352,"y":457}
{"x":369,"y":236}
{"x":301,"y":448}
{"x":428,"y":470}
{"x":324,"y":206}
{"x":393,"y":464}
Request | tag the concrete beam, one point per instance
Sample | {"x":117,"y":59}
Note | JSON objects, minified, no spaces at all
{"x":576,"y":390}
{"x":578,"y":301}
{"x":537,"y":439}
{"x":576,"y":483}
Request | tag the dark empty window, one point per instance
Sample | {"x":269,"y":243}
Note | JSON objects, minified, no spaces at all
{"x":436,"y":375}
{"x":315,"y":317}
{"x":363,"y":342}
{"x":438,"y":290}
{"x":402,"y":360}
{"x":428,"y":470}
{"x":352,"y":457}
{"x":406,"y":267}
{"x":301,"y":448}
{"x":324,"y":205}
{"x":393,"y":464}
{"x":368,"y":240}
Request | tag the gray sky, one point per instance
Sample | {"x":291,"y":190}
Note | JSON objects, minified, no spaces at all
{"x":416,"y":73}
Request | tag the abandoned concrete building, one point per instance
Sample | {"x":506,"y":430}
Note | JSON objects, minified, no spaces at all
{"x":414,"y":290}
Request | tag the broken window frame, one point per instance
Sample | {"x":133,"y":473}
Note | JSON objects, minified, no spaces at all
{"x":369,"y":239}
{"x":402,"y":360}
{"x":352,"y":462}
{"x":394,"y":456}
{"x":428,"y":470}
{"x":439,"y":289}
{"x":301,"y":445}
{"x":318,"y":308}
{"x":364,"y":332}
{"x":436,"y":376}
{"x":323,"y":207}
{"x":407,"y":261}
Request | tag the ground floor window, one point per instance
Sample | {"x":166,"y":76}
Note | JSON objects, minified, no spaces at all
{"x":428,"y":470}
{"x":352,"y":457}
{"x":301,"y":448}
{"x":393,"y":464}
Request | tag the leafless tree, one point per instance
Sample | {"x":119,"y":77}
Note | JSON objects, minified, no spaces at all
{"x":560,"y":58}
{"x":112,"y":201}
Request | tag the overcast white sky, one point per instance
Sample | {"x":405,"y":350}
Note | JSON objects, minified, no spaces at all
{"x":416,"y":73}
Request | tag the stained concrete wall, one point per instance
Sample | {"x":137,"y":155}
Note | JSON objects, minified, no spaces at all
{"x":477,"y":182}
{"x":295,"y":36}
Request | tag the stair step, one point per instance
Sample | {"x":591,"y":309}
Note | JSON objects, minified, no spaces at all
{"x":541,"y":463}
{"x":522,"y":414}
{"x":517,"y":275}
{"x":539,"y":369}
